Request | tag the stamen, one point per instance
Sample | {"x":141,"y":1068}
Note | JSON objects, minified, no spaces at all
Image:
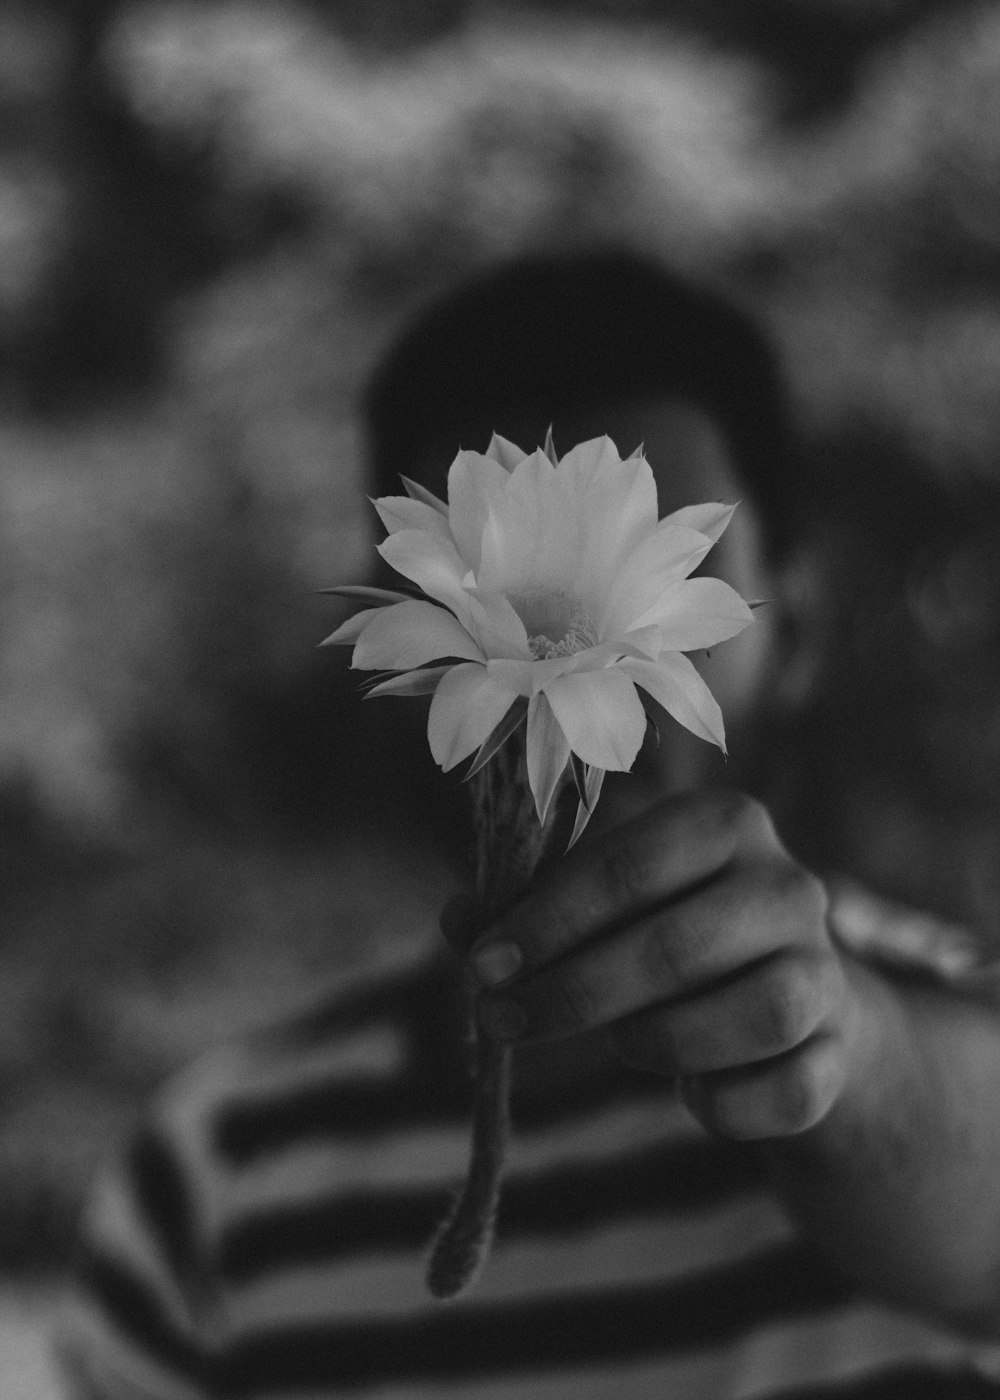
{"x":578,"y":638}
{"x":556,"y":624}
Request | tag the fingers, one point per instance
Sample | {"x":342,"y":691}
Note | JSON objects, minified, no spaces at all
{"x":776,"y":1098}
{"x":639,"y":866}
{"x":776,"y":1006}
{"x":700,"y":947}
{"x":662,"y":958}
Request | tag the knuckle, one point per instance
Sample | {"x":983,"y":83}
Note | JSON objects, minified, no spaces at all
{"x":782,"y":884}
{"x":723,"y":1110}
{"x":800,"y":1093}
{"x":786,"y":879}
{"x":804,"y":891}
{"x":724,"y":811}
{"x":749,"y":817}
{"x":787,"y":1100}
{"x":727,"y":1117}
{"x":777,"y":879}
{"x":784,"y":1012}
{"x":759,"y":893}
{"x":815,"y":898}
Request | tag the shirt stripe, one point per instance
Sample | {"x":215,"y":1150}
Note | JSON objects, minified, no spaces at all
{"x":264,"y":1238}
{"x":571,"y":1198}
{"x":537,"y":1334}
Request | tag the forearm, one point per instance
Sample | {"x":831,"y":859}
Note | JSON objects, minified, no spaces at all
{"x":899,"y":1183}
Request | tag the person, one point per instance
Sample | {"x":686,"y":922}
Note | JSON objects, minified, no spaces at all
{"x":756,"y":1127}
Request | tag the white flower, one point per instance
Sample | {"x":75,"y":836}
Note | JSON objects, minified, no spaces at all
{"x":548,"y":590}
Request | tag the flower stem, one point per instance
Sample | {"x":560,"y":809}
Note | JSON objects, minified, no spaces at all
{"x":510,"y":846}
{"x":462,"y":1244}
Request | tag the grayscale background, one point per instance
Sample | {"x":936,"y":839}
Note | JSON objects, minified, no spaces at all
{"x":213,"y":218}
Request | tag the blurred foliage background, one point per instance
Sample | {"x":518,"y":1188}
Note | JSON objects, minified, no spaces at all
{"x":213,"y":218}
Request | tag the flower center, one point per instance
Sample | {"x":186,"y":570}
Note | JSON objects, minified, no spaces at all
{"x":556,"y":624}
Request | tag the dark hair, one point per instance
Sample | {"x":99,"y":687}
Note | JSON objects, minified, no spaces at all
{"x":527,"y":342}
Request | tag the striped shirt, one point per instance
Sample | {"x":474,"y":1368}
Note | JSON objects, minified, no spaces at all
{"x":264,"y":1236}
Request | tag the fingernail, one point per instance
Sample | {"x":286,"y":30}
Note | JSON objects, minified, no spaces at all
{"x":503,"y":1019}
{"x":495,"y":962}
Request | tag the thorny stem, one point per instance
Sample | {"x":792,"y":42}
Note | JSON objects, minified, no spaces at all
{"x":510,"y":845}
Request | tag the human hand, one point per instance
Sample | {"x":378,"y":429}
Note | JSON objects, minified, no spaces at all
{"x":699,"y":947}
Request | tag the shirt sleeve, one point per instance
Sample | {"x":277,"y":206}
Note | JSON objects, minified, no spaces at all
{"x":137,"y":1324}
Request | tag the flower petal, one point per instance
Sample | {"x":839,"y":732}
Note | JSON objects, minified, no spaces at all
{"x":411,"y":634}
{"x":495,"y":740}
{"x":423,"y":682}
{"x":652,"y":566}
{"x":607,"y":653}
{"x":589,"y":462}
{"x":643,"y":642}
{"x":548,"y":753}
{"x":468,"y":705}
{"x":359,"y":592}
{"x":351,"y":630}
{"x":475,"y":484}
{"x":497,"y":627}
{"x":696,"y":612}
{"x":529,"y":677}
{"x":531,"y":541}
{"x":601,"y":716}
{"x":584,"y":811}
{"x":674,"y":548}
{"x":401,"y":513}
{"x":421,"y":493}
{"x":616,"y":501}
{"x":432,"y":562}
{"x":674,"y":683}
{"x":709,"y":519}
{"x":508,"y":454}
